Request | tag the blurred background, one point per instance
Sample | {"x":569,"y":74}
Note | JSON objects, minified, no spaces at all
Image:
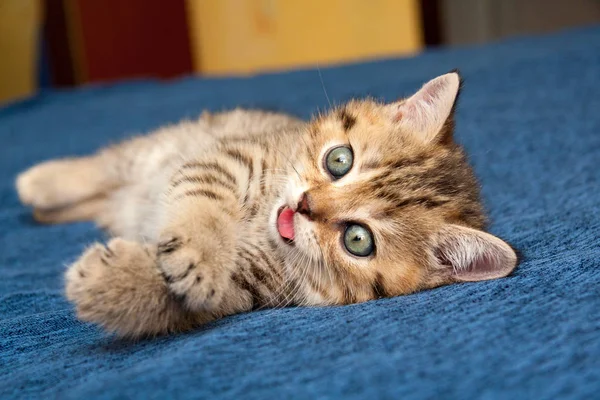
{"x":66,"y":43}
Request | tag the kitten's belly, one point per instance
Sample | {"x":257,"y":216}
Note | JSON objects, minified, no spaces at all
{"x":139,"y":204}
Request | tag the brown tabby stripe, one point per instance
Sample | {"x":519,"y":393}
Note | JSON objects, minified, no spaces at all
{"x":202,"y":192}
{"x":267,"y":260}
{"x":253,"y":210}
{"x":241,"y":281}
{"x":399,"y":173}
{"x":211,"y":166}
{"x":378,"y":287}
{"x":263,"y":189}
{"x":472,"y":215}
{"x":445,"y":183}
{"x":348,"y":120}
{"x":389,"y":173}
{"x":272,"y":244}
{"x":244,"y":139}
{"x":408,"y":162}
{"x":243,"y":159}
{"x":370,"y":165}
{"x":242,"y":253}
{"x":259,"y":274}
{"x":427,"y":202}
{"x":206,"y":178}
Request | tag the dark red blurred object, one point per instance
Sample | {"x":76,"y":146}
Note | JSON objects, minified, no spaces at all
{"x":108,"y":40}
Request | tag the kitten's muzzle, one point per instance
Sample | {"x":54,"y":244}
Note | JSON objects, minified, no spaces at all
{"x":303,"y":206}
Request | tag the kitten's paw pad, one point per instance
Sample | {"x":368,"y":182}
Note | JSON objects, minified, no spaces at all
{"x":187,"y":274}
{"x":119,"y":287}
{"x":117,"y":253}
{"x":103,"y":277}
{"x":87,"y":272}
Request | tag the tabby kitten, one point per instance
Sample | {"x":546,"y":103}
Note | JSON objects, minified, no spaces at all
{"x":247,"y":209}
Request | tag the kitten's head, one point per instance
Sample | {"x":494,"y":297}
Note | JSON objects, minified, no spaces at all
{"x":382,"y":202}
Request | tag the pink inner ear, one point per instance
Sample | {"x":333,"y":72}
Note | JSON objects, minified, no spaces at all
{"x":483,"y":267}
{"x":408,"y":109}
{"x":425,"y":113}
{"x":432,"y":90}
{"x":472,"y":255}
{"x":426,"y":97}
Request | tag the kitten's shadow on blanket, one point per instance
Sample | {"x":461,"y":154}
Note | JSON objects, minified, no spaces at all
{"x":26,"y":218}
{"x":116,"y":345}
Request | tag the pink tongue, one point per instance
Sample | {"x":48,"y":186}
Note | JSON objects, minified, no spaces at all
{"x":285,"y":223}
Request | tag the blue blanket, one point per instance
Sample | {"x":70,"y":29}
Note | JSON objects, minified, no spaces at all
{"x":529,"y":116}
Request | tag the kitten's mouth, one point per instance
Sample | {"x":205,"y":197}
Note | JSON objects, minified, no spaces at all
{"x":285,"y":224}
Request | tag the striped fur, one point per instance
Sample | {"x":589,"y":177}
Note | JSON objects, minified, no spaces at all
{"x":194,"y":206}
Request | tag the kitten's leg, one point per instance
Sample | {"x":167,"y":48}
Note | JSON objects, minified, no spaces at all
{"x":194,"y":271}
{"x":61,"y":183}
{"x":72,"y":189}
{"x":200,"y":233}
{"x":196,"y":253}
{"x":85,"y":210}
{"x":119,"y":287}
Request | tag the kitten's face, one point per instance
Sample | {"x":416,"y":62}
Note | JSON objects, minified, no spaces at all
{"x":381,"y":201}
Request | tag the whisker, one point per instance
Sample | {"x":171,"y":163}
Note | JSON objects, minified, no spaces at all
{"x":303,"y":280}
{"x":323,"y":86}
{"x":289,"y":162}
{"x":295,"y":288}
{"x":297,"y":280}
{"x":288,"y":283}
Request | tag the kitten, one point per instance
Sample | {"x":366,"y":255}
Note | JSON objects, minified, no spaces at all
{"x":247,"y":209}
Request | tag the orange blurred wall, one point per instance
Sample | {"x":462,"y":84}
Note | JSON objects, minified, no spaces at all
{"x":242,"y":36}
{"x":20,"y":22}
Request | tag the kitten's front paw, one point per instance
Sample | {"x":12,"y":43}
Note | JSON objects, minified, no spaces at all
{"x":188,"y":272}
{"x":119,"y":287}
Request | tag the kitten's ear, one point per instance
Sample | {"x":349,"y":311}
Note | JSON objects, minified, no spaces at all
{"x":428,"y":113}
{"x":465,"y":254}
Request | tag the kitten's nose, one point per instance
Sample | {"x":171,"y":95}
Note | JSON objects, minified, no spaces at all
{"x":304,"y":205}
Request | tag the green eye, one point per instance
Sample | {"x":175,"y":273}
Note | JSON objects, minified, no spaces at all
{"x":339,"y":161}
{"x":358,"y":240}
